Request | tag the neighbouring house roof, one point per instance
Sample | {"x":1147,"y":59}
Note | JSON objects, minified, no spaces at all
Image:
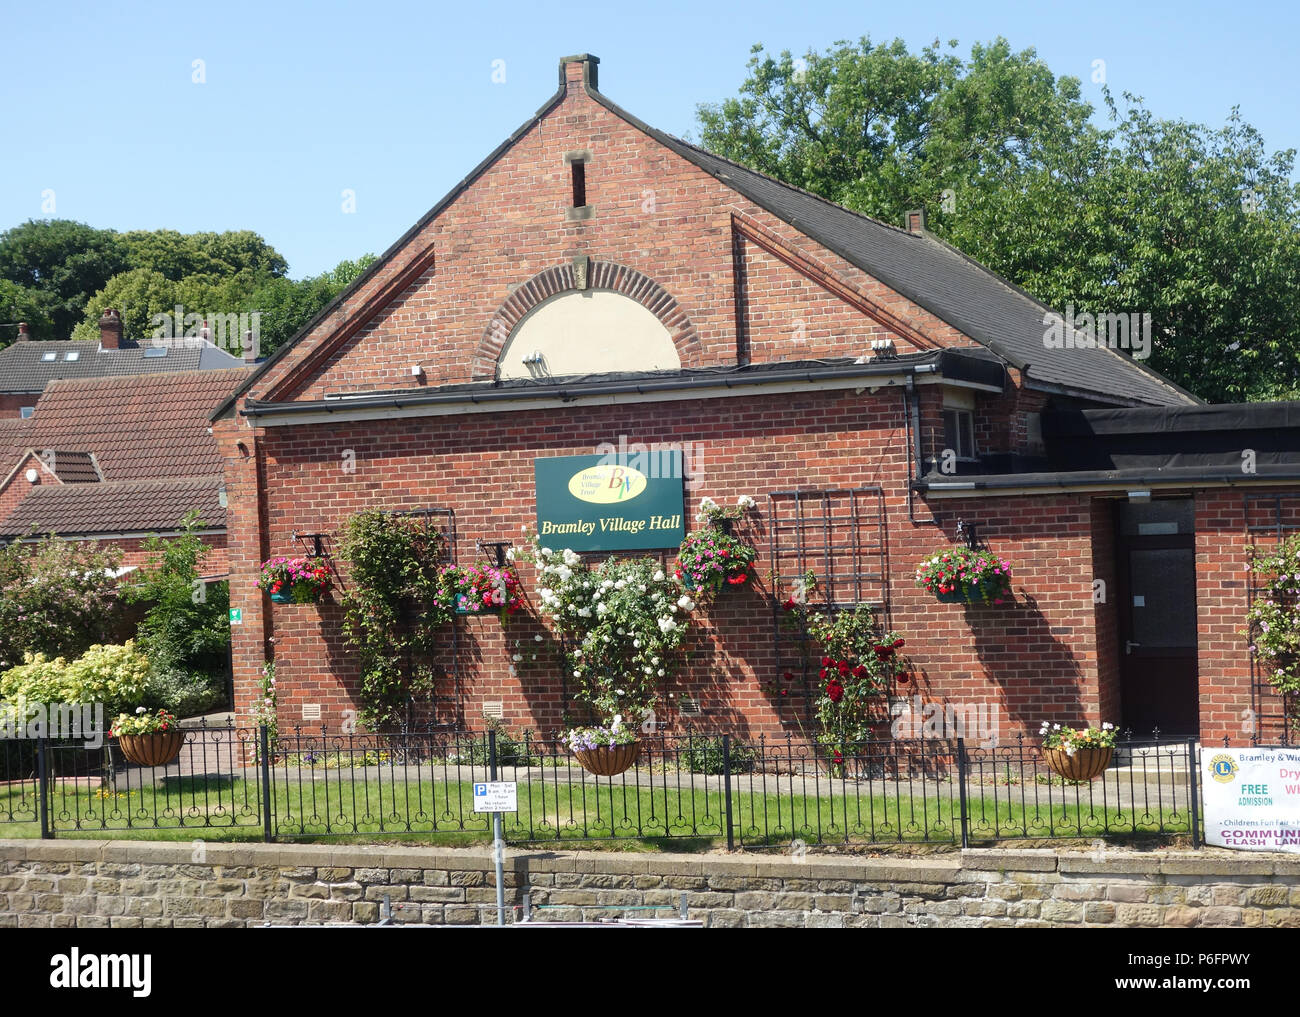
{"x":139,"y":428}
{"x":24,"y":367}
{"x":131,"y":454}
{"x":932,"y":274}
{"x":117,"y":507}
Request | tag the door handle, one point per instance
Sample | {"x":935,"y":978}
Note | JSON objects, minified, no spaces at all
{"x":1128,"y":646}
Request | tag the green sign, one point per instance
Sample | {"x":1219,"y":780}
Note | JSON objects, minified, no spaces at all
{"x":236,"y":616}
{"x":611,"y":502}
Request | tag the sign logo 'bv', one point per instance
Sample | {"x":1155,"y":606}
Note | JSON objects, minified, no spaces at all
{"x":606,"y":484}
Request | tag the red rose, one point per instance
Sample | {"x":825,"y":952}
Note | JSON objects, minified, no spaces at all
{"x":860,"y":671}
{"x":826,"y":662}
{"x":899,"y":644}
{"x":834,"y":690}
{"x":822,"y":673}
{"x":789,"y":676}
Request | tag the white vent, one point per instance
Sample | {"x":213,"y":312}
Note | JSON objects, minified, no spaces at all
{"x":311,"y":711}
{"x":494,"y":708}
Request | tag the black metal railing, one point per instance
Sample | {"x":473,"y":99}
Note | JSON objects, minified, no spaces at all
{"x":246,"y":783}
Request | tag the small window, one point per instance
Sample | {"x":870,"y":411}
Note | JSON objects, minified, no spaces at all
{"x":959,"y":432}
{"x":48,"y":357}
{"x":579,"y":184}
{"x":72,"y":355}
{"x":27,"y":411}
{"x":155,"y":351}
{"x":577,"y":163}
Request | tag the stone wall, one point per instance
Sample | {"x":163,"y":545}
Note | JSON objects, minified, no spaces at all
{"x":119,"y":884}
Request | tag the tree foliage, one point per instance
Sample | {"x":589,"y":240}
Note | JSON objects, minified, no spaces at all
{"x":1198,"y":227}
{"x":59,"y":276}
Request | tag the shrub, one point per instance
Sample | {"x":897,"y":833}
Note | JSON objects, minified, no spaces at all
{"x":56,"y":598}
{"x":184,"y":693}
{"x":113,"y":675}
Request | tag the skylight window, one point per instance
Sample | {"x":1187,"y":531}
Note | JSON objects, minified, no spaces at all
{"x":155,"y":351}
{"x":72,"y":355}
{"x":47,"y":357}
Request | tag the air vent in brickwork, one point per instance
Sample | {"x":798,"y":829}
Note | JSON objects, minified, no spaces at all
{"x":494,"y":709}
{"x":311,"y":711}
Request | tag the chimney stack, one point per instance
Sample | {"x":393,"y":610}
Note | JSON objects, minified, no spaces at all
{"x":110,"y":330}
{"x":579,"y":71}
{"x":915,"y":221}
{"x":23,"y":333}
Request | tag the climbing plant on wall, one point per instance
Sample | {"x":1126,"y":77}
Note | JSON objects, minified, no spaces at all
{"x":394,"y":604}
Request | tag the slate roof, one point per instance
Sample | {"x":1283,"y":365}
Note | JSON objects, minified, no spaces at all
{"x":22,"y":368}
{"x":128,"y":506}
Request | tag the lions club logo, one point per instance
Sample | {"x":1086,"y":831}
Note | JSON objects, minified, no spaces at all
{"x":1223,"y":768}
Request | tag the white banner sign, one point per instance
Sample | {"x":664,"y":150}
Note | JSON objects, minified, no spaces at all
{"x":1252,"y":798}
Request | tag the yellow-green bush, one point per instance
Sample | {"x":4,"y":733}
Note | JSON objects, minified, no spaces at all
{"x":112,"y":675}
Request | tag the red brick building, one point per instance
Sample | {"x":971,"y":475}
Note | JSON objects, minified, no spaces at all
{"x":595,"y":280}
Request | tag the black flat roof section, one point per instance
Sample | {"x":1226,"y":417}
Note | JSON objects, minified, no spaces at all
{"x":1227,"y":444}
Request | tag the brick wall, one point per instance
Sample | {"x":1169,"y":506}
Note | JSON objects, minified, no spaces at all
{"x":97,"y":884}
{"x":12,"y":405}
{"x":1033,"y":659}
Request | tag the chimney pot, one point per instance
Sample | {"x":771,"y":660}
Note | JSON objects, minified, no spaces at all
{"x":24,"y":334}
{"x":110,"y":330}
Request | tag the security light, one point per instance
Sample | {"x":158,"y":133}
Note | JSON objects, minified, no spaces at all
{"x":1139,"y":496}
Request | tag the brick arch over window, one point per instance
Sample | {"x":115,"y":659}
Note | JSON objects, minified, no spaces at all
{"x":602,"y":275}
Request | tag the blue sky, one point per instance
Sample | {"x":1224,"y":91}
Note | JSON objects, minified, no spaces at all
{"x":395,"y":100}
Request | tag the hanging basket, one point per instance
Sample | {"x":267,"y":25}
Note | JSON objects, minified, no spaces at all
{"x":608,"y":760}
{"x":1085,"y":764}
{"x":974,"y":593}
{"x":157,"y":749}
{"x":281,"y":596}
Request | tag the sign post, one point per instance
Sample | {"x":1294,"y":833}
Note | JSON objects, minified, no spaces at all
{"x":496,"y":797}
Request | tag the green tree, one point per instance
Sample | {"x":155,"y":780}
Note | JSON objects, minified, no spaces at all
{"x":177,"y":255}
{"x":1200,"y":228}
{"x":137,"y":295}
{"x":65,"y":262}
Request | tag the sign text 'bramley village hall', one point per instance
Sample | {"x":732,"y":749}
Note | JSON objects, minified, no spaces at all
{"x":608,"y":503}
